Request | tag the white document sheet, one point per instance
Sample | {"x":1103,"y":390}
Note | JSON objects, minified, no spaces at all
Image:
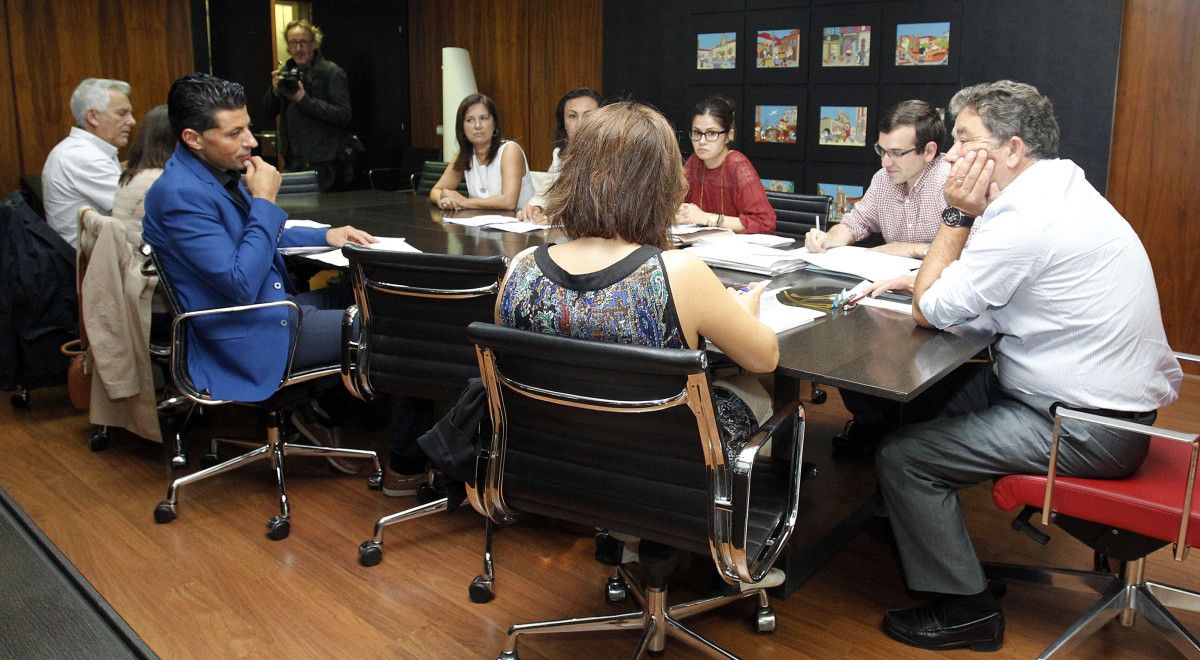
{"x":780,"y":317}
{"x":335,"y":257}
{"x":296,"y":222}
{"x":861,"y":262}
{"x":519,"y":227}
{"x":479,"y":220}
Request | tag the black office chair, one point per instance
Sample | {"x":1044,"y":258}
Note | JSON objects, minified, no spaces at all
{"x":432,"y":170}
{"x":299,"y":183}
{"x":400,"y":178}
{"x":795,"y":213}
{"x":297,"y":389}
{"x":624,"y":438}
{"x":414,"y":310}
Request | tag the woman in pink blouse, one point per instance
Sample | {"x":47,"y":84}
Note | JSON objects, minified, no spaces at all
{"x":723,"y":187}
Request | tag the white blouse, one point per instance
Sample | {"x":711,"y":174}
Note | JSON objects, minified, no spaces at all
{"x":487,"y":181}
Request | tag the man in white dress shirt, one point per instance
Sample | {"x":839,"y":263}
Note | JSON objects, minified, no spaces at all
{"x":82,"y":170}
{"x":1065,"y":283}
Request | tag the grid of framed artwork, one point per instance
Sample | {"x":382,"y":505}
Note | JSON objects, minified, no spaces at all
{"x":810,"y":79}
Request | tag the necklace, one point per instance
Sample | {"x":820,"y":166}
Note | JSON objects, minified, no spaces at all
{"x":719,"y":208}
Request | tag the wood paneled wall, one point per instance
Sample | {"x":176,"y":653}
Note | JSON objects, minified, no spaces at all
{"x":1155,"y":155}
{"x":46,"y":48}
{"x":525,"y":53}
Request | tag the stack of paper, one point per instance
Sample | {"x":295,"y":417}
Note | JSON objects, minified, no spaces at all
{"x":689,"y":234}
{"x":861,"y":262}
{"x":750,"y":258}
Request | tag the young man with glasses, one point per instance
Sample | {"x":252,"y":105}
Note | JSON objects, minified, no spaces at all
{"x":904,"y":201}
{"x":312,"y":97}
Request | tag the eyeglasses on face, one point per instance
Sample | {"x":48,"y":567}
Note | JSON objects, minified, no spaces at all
{"x":711,"y":136}
{"x":894,"y":154}
{"x":296,"y":43}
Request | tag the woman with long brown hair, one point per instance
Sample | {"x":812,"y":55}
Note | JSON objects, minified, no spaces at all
{"x":495,"y":169}
{"x":616,"y":196}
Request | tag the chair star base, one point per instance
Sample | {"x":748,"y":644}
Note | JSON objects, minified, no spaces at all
{"x":1122,"y":596}
{"x":656,"y":620}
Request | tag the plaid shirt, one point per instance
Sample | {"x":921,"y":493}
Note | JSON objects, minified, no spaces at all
{"x":901,"y":214}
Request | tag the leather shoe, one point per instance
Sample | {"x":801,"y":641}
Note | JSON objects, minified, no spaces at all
{"x":942,"y":625}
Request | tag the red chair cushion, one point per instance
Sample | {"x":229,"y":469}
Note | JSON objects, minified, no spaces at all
{"x":1150,"y":502}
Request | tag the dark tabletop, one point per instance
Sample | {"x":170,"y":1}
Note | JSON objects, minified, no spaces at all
{"x":865,"y":349}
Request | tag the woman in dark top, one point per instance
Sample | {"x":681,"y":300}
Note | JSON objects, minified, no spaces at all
{"x":620,"y":185}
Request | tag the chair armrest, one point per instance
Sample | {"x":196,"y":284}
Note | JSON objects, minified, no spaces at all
{"x":752,"y":569}
{"x":179,"y":370}
{"x":1193,"y":439}
{"x":353,"y":352}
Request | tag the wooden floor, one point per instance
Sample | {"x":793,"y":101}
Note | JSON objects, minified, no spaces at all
{"x":211,"y":584}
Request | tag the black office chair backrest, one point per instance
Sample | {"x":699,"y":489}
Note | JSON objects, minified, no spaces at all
{"x":175,"y":345}
{"x":795,"y":213}
{"x":415,"y":309}
{"x":427,"y":178}
{"x":299,"y":183}
{"x":619,"y":437}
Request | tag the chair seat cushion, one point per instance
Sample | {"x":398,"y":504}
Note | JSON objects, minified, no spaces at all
{"x":1149,"y":502}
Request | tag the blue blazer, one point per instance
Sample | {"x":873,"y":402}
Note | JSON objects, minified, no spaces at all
{"x":217,"y":255}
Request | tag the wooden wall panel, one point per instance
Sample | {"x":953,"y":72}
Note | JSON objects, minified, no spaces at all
{"x":566,"y":54}
{"x":1155,"y":160}
{"x":10,"y":152}
{"x":525,"y":53}
{"x":54,"y":45}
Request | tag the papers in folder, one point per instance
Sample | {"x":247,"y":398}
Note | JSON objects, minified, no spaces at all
{"x":848,"y":260}
{"x":750,"y":258}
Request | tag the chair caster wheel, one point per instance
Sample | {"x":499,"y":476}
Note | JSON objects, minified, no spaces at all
{"x":208,"y":460}
{"x":178,"y":461}
{"x":764,"y":620}
{"x":616,"y":591}
{"x":508,"y":655}
{"x":99,"y":440}
{"x":164,"y":513}
{"x":278,"y":528}
{"x":430,"y":491}
{"x":819,"y":396}
{"x":375,"y":481}
{"x":370,"y":553}
{"x":481,"y":591}
{"x":20,"y":400}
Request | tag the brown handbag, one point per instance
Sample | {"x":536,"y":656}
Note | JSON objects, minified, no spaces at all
{"x":79,"y":374}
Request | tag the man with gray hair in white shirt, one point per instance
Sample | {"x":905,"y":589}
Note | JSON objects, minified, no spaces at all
{"x":1065,"y":283}
{"x":83,"y":169}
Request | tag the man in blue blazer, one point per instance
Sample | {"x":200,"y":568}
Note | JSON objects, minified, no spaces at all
{"x":212,"y":221}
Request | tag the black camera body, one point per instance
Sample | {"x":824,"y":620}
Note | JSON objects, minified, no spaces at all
{"x":290,"y":79}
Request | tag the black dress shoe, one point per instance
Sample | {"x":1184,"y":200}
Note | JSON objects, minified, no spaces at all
{"x":942,"y":625}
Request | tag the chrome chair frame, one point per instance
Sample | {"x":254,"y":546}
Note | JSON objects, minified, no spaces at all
{"x":729,"y":487}
{"x":356,"y":360}
{"x":275,"y":447}
{"x":1127,"y":593}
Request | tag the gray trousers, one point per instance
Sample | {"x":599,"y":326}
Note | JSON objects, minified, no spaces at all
{"x":979,"y":432}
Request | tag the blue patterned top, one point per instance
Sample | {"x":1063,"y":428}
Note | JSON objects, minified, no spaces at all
{"x":628,"y":302}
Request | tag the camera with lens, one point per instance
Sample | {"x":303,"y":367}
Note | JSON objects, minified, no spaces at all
{"x":290,"y":79}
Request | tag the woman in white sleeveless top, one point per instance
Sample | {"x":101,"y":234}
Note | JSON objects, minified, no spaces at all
{"x":495,"y":169}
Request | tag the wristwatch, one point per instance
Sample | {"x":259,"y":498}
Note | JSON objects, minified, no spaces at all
{"x":953,"y":217}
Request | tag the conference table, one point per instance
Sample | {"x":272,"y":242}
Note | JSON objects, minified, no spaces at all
{"x":865,"y":349}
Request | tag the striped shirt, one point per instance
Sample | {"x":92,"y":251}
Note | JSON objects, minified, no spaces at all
{"x":1065,"y":282}
{"x":902,"y":213}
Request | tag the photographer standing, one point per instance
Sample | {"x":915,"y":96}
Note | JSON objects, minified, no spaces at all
{"x":312,"y":96}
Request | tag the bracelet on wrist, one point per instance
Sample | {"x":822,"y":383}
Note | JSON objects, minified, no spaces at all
{"x":720,"y":219}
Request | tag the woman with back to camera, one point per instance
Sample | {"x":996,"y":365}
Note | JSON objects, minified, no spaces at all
{"x":495,"y":169}
{"x":616,"y":196}
{"x":152,"y":148}
{"x":723,"y":187}
{"x":572,"y":108}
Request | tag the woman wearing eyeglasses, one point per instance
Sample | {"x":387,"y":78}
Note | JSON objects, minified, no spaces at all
{"x":496,"y":171}
{"x":723,"y":187}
